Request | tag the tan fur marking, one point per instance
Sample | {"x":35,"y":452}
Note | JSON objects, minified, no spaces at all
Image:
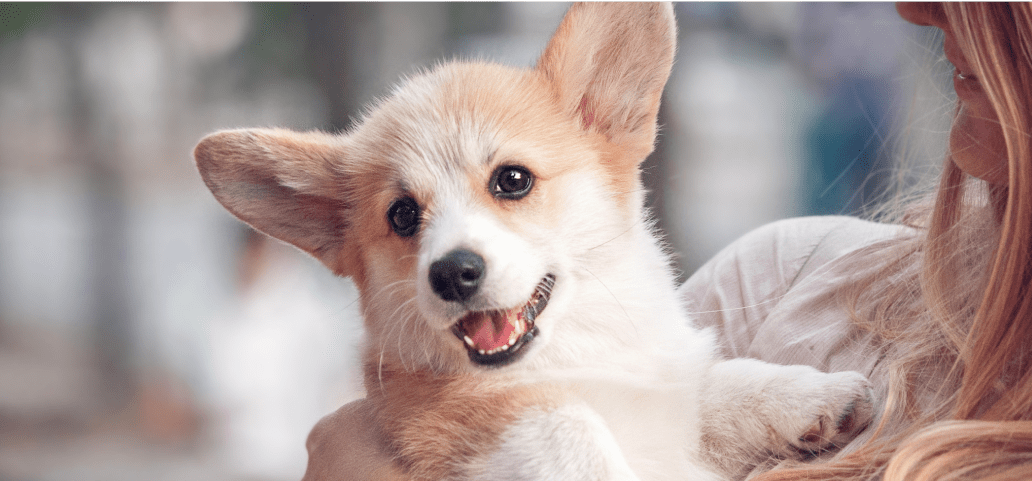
{"x":438,"y":423}
{"x":617,"y":91}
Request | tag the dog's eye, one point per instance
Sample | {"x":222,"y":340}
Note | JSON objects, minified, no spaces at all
{"x":403,"y":215}
{"x":511,"y":182}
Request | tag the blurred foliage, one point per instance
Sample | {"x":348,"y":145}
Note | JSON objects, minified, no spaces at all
{"x":279,"y":38}
{"x":475,"y":18}
{"x":16,"y":18}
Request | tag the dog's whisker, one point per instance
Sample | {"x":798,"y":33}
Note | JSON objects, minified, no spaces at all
{"x":391,"y":333}
{"x":408,"y":318}
{"x":390,"y":288}
{"x":613,"y":295}
{"x":379,"y":370}
{"x":773,"y":300}
{"x":428,"y":355}
{"x":396,"y":326}
{"x":401,"y":306}
{"x":412,"y":320}
{"x":621,"y":234}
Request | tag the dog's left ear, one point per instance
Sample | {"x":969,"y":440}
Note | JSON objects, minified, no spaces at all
{"x":286,"y":184}
{"x":608,"y":63}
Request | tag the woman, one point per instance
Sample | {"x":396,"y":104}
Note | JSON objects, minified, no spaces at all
{"x":942,"y":317}
{"x":936,"y":308}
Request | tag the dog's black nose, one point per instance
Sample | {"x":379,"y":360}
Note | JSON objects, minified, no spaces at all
{"x":457,"y":275}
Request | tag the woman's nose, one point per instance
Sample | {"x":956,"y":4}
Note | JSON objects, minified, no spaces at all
{"x":928,"y":14}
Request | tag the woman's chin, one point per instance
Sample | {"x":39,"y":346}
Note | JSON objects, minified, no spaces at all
{"x":977,"y":145}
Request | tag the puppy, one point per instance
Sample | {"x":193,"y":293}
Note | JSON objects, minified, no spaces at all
{"x":521,"y":315}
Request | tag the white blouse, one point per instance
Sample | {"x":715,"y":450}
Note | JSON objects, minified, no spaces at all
{"x":771,"y":295}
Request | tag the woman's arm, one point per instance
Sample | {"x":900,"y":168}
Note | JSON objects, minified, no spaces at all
{"x":736,"y":290}
{"x":346,"y":445}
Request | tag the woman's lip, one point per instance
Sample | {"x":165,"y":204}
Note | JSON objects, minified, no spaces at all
{"x":959,"y":64}
{"x":956,"y":57}
{"x":966,"y":85}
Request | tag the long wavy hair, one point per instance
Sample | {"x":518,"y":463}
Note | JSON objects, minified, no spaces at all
{"x":959,"y":295}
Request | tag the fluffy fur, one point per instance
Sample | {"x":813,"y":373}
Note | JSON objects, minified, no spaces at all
{"x":614,"y":383}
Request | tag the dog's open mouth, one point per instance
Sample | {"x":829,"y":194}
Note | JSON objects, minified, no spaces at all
{"x":496,"y":338}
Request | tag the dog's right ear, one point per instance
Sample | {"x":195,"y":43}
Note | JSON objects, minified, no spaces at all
{"x":286,"y":184}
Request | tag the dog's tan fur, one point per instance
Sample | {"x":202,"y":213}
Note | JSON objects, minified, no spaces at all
{"x":599,"y":92}
{"x":425,"y":414}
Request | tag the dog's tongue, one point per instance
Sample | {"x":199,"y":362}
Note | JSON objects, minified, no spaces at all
{"x":490,"y":331}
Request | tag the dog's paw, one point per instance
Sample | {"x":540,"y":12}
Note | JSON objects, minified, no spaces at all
{"x":755,"y":413}
{"x":839,"y":407}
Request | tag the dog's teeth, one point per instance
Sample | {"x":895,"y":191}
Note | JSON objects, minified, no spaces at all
{"x":481,"y":351}
{"x":469,"y":342}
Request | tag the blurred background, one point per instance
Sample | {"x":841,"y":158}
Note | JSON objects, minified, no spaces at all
{"x":146,"y":334}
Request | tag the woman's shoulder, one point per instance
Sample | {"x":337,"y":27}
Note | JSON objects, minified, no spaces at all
{"x":795,"y":246}
{"x":799,"y":245}
{"x":738,"y":288}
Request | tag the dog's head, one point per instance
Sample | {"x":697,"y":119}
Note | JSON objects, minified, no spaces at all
{"x":478,"y":205}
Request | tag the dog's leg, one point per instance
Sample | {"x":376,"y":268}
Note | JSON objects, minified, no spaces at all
{"x":753,"y":411}
{"x":567,"y":443}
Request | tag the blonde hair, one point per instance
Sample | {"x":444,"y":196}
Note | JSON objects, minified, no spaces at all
{"x":979,"y":426}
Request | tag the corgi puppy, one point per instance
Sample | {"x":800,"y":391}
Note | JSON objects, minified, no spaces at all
{"x":521,"y":314}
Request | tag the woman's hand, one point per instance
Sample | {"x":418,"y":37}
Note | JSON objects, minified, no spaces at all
{"x":347,"y":445}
